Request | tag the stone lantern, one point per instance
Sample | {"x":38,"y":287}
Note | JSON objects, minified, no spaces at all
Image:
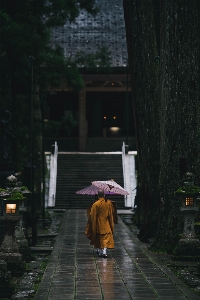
{"x":12,"y":219}
{"x":9,"y":249}
{"x":11,"y":199}
{"x":188,"y":244}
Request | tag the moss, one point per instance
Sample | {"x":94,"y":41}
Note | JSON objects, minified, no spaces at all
{"x":16,"y":196}
{"x":157,"y":249}
{"x":24,"y":188}
{"x":191,"y":189}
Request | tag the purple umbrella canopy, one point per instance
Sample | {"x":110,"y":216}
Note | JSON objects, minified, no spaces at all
{"x":91,"y":190}
{"x":110,"y":186}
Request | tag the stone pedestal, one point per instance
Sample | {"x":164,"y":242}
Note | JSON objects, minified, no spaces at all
{"x":188,"y":215}
{"x":188,"y":245}
{"x":9,"y":244}
{"x":22,"y":241}
{"x":9,"y":250}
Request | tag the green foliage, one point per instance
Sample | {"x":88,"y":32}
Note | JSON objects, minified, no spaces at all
{"x":73,"y":76}
{"x":100,"y":61}
{"x":67,"y":124}
{"x":24,"y":188}
{"x":157,"y":249}
{"x":2,"y":190}
{"x":16,"y":196}
{"x":188,"y":189}
{"x":62,"y":128}
{"x":25,"y":51}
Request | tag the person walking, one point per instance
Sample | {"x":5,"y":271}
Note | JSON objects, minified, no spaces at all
{"x":102,"y":224}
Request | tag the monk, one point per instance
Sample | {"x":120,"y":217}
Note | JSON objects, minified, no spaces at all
{"x":88,"y":229}
{"x":102,"y":224}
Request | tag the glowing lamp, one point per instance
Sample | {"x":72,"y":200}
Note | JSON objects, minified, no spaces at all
{"x":10,"y":207}
{"x":189,"y":201}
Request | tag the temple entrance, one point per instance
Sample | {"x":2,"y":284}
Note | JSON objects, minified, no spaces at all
{"x":104,"y":120}
{"x":109,"y":114}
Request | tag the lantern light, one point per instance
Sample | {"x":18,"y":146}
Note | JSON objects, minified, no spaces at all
{"x":189,"y":201}
{"x":11,"y":208}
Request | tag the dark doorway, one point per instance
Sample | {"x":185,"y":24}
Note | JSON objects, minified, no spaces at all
{"x":108,"y":114}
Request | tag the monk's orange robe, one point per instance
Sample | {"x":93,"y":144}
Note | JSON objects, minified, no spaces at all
{"x":88,"y":229}
{"x":102,"y":224}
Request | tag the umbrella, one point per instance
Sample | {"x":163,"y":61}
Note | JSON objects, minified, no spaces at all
{"x":91,"y":190}
{"x":110,"y":186}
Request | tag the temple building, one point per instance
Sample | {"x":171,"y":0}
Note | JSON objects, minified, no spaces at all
{"x":103,"y":108}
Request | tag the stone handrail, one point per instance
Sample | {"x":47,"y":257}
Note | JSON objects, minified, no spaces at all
{"x":53,"y":176}
{"x":124,"y":166}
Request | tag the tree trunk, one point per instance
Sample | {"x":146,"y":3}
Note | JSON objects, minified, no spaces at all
{"x":163,"y":48}
{"x":180,"y":107}
{"x":144,"y":71}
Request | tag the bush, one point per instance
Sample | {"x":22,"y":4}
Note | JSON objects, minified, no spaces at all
{"x":51,"y":129}
{"x":67,"y":124}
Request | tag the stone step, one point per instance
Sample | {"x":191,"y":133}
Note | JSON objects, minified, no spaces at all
{"x":76,"y":171}
{"x":40,"y":249}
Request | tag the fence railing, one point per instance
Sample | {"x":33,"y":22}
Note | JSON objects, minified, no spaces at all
{"x":124,"y":168}
{"x":53,"y":176}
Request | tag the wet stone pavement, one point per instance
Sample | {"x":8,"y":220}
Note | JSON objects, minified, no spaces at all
{"x":188,"y":271}
{"x":31,"y":278}
{"x":75,"y":272}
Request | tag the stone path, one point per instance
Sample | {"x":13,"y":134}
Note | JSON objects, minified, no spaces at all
{"x":75,"y":272}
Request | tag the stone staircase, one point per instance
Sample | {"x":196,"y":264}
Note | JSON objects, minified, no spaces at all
{"x":77,"y":170}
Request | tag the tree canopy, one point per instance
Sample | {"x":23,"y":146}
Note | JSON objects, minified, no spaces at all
{"x":25,"y":51}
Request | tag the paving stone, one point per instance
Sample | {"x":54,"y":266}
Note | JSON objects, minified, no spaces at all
{"x":114,"y":296}
{"x":89,"y":293}
{"x":143,"y":297}
{"x":75,"y":272}
{"x":176,"y":298}
{"x":61,"y":297}
{"x":87,"y":285}
{"x":63,"y":283}
{"x":41,"y":296}
{"x":88,"y":297}
{"x":170,"y":291}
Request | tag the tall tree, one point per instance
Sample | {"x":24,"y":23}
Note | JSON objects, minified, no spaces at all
{"x":174,"y":26}
{"x":180,"y":106}
{"x":144,"y":71}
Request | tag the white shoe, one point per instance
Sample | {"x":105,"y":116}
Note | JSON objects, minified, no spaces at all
{"x":104,"y":254}
{"x":104,"y":250}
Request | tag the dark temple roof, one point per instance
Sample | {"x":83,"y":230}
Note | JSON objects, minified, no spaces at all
{"x":88,"y":33}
